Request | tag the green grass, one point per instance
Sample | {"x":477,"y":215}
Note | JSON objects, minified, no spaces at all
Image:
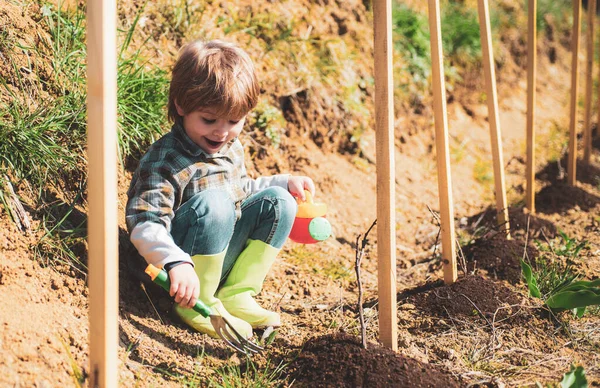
{"x":43,"y":122}
{"x":411,"y":39}
{"x":64,"y":240}
{"x":248,"y":375}
{"x":44,"y":139}
{"x":142,"y":95}
{"x":43,"y":132}
{"x":460,"y":41}
{"x":559,"y":12}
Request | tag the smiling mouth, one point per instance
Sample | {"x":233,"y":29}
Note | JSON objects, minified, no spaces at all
{"x":214,"y":143}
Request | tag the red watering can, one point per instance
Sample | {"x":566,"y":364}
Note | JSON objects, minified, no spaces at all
{"x":310,"y":225}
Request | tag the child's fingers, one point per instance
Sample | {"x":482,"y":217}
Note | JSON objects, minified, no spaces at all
{"x":174,"y":288}
{"x":296,"y":189}
{"x":195,"y":295}
{"x":181,"y":294}
{"x":309,"y":185}
{"x":301,"y":194}
{"x":189,"y":296}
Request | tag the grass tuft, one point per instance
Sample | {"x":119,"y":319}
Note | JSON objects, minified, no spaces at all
{"x":249,"y":376}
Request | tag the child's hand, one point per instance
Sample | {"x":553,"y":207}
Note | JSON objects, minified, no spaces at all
{"x":185,"y":285}
{"x":297,"y":185}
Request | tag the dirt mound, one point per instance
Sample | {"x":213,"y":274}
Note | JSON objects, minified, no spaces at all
{"x":498,"y":256}
{"x":470,"y":296}
{"x":560,"y":198}
{"x":340,"y":361}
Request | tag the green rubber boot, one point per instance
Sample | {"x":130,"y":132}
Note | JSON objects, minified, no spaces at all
{"x":208,"y":268}
{"x":245,"y":281}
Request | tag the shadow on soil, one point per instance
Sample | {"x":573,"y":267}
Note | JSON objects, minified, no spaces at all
{"x":520,"y":221}
{"x":558,"y":196}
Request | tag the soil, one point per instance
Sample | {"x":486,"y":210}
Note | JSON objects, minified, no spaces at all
{"x":483,"y":330}
{"x":343,"y":362}
{"x":471,"y":296}
{"x":498,"y":256}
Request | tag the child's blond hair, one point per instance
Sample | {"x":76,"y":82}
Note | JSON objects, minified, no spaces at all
{"x":216,"y":75}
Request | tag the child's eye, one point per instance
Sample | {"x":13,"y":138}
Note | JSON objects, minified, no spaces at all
{"x":209,"y":121}
{"x":234,"y":121}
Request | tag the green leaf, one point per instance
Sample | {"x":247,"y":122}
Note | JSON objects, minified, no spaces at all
{"x":567,"y":300}
{"x":530,"y":279}
{"x":581,"y":285}
{"x":271,"y":338}
{"x":574,"y":378}
{"x":579,"y":311}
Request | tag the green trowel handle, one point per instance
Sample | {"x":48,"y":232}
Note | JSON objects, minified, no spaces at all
{"x":162,"y":279}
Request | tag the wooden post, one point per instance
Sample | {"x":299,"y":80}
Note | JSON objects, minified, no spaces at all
{"x":494,"y":120}
{"x":441,"y":144}
{"x":531,"y":77}
{"x":572,"y":157}
{"x":102,"y":192}
{"x":386,"y":209}
{"x":589,"y":95}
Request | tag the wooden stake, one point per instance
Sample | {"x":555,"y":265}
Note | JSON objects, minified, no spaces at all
{"x":572,"y":157}
{"x":102,"y":192}
{"x":587,"y":126}
{"x":441,"y":144}
{"x":494,"y":120}
{"x":386,"y":209}
{"x":531,"y":77}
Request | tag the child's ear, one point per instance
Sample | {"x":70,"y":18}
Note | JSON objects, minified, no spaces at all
{"x":180,"y":111}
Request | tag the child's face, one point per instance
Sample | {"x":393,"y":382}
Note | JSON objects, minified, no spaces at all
{"x":210,"y":132}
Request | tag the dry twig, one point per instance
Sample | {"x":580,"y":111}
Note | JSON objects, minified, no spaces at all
{"x":461,"y":256}
{"x":359,"y":255}
{"x":16,"y":208}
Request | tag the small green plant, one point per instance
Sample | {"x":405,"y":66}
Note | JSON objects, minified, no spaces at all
{"x":550,"y":275}
{"x":569,"y":295}
{"x":76,"y":372}
{"x":574,"y":378}
{"x":557,"y":284}
{"x":570,"y":248}
{"x":269,"y":120}
{"x":555,"y":141}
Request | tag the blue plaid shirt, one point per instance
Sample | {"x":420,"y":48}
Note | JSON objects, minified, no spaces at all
{"x":174,"y":169}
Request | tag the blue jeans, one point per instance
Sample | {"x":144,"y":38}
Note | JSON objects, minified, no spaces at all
{"x":206,"y":223}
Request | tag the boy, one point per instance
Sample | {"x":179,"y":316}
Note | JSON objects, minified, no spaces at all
{"x":193,"y":210}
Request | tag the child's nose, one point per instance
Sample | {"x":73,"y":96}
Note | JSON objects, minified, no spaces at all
{"x":222,"y":131}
